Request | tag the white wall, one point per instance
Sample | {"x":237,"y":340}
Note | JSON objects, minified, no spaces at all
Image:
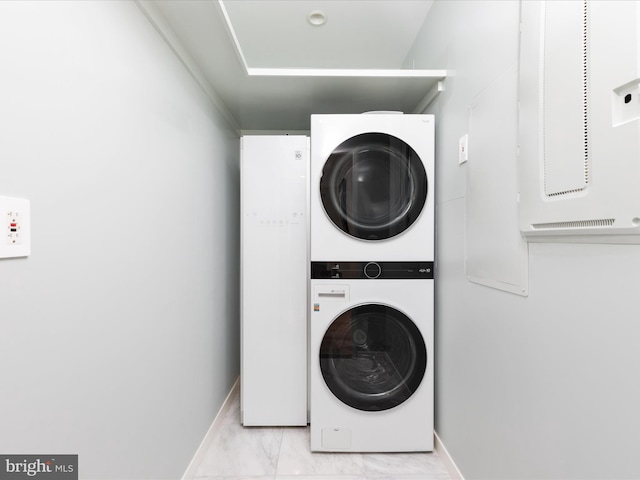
{"x":119,"y":334}
{"x":543,"y":386}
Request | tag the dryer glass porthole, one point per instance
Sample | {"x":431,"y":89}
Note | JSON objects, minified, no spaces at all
{"x":373,"y":186}
{"x":373,"y":357}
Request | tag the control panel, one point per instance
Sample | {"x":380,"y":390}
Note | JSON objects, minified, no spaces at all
{"x":371,"y":270}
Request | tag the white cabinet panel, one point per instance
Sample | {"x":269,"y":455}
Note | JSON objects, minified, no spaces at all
{"x":496,"y":253}
{"x":274,"y":280}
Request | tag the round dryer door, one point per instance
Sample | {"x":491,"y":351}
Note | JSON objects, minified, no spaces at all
{"x":373,"y":186}
{"x":373,"y":357}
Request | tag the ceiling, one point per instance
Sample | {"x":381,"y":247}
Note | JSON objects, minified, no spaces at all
{"x":269,"y":68}
{"x":356,"y":34}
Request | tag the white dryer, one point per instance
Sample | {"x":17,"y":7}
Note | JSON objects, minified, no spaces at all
{"x":371,"y":356}
{"x":372,"y":187}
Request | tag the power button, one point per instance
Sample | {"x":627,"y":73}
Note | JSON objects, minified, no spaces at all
{"x":372,"y":270}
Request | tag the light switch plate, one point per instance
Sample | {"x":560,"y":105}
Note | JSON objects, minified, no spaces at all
{"x":15,"y":240}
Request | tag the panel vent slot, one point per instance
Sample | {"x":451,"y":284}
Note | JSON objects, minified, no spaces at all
{"x":603,"y":222}
{"x":566,"y":113}
{"x":566,"y":192}
{"x":585,"y":91}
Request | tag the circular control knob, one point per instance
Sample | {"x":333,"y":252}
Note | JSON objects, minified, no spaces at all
{"x":372,"y":270}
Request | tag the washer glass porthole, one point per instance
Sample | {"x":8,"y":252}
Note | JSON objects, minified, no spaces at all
{"x":373,"y":186}
{"x":373,"y":357}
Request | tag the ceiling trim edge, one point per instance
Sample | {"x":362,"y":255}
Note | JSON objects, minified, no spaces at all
{"x":234,"y":37}
{"x":156,"y":19}
{"x":345,"y":72}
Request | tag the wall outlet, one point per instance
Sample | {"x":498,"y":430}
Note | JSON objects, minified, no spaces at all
{"x":463,"y":149}
{"x":15,"y":225}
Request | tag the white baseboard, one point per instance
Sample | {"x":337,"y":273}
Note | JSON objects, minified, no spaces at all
{"x":449,"y":464}
{"x":190,"y":473}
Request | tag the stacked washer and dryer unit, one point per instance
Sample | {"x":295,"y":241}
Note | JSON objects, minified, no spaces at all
{"x":371,"y":290}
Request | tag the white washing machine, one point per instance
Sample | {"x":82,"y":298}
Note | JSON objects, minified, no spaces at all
{"x":371,"y":356}
{"x":372,"y":187}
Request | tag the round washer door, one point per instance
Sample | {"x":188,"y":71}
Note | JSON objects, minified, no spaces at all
{"x":373,"y":186}
{"x":373,"y":357}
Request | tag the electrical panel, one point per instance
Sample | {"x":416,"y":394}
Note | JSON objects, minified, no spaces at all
{"x":579,"y":130}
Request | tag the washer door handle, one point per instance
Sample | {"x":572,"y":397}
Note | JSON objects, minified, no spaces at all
{"x":333,"y":293}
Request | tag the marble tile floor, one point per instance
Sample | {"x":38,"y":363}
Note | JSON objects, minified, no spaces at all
{"x":263,"y":453}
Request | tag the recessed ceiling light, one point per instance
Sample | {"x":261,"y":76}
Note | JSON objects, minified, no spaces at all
{"x":316,"y":18}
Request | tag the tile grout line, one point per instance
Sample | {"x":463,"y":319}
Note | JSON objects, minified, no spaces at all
{"x":275,"y":474}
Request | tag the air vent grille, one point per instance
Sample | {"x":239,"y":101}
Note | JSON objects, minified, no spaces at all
{"x":603,"y":222}
{"x":585,"y":91}
{"x":581,"y":184}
